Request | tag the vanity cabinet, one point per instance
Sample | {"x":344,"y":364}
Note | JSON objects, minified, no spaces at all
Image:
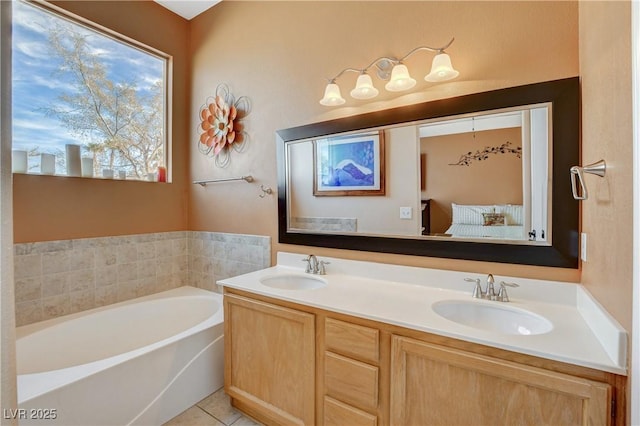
{"x":436,"y":385}
{"x":270,"y":360}
{"x":351,"y":374}
{"x":287,"y":363}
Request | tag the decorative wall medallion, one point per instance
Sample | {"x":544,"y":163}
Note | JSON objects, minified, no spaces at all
{"x":505,"y":148}
{"x":221,"y":127}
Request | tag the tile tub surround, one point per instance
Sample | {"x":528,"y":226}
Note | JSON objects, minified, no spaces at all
{"x":57,"y":278}
{"x":216,"y":255}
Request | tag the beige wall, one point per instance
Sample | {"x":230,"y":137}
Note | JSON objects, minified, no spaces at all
{"x":496,"y":180}
{"x":280,"y":54}
{"x":58,"y":208}
{"x":605,"y":68}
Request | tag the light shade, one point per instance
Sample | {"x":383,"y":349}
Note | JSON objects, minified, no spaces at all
{"x":332,"y":96}
{"x":400,"y":79}
{"x":441,"y":69}
{"x":364,"y":88}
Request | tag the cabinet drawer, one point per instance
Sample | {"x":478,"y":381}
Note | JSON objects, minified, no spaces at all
{"x":351,"y":381}
{"x":337,"y":413}
{"x":352,"y":340}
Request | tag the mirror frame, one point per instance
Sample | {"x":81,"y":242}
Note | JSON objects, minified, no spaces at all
{"x":564,"y":95}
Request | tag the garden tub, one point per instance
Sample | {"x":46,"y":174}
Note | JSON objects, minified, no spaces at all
{"x":142,"y":361}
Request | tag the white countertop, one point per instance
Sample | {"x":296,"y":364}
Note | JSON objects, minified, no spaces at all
{"x":583,"y":333}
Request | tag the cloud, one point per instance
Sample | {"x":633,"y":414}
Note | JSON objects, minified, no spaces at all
{"x":33,"y":49}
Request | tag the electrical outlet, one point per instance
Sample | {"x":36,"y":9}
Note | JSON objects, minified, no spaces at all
{"x":406,"y":212}
{"x":583,"y":246}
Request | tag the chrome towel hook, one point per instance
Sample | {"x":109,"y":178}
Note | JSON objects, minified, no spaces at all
{"x":265,"y":190}
{"x":598,"y":168}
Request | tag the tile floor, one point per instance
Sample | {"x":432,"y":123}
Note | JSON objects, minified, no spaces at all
{"x":214,"y":410}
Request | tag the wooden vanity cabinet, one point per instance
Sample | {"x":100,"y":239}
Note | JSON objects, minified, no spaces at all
{"x":436,"y":385}
{"x":351,"y":374}
{"x":270,"y":360}
{"x":292,"y":364}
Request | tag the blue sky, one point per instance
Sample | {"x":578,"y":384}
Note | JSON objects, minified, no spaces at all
{"x":35,"y":83}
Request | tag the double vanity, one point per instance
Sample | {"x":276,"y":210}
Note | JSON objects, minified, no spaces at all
{"x":375,"y":344}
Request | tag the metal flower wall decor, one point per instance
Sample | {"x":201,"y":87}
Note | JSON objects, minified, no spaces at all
{"x":221,"y":128}
{"x":505,"y":148}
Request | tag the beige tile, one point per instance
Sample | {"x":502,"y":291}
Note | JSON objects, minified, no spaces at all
{"x":178,"y":280}
{"x":127,"y":272}
{"x":28,"y":289}
{"x":127,"y":290}
{"x":208,"y":282}
{"x":81,"y":280}
{"x":106,"y":295}
{"x":147,"y":268}
{"x":246,"y":421}
{"x":81,"y":259}
{"x":106,"y":276}
{"x":28,"y":312}
{"x":194,"y":416}
{"x":54,"y":284}
{"x":146,"y":286}
{"x":106,"y":256}
{"x":56,"y":306}
{"x":164,"y":266}
{"x":218,"y":404}
{"x":57,"y":261}
{"x":179,"y":247}
{"x":29,"y":265}
{"x":146,"y":250}
{"x":164,"y":249}
{"x":195,"y":247}
{"x":127,"y":253}
{"x":81,"y":300}
{"x":180,"y":264}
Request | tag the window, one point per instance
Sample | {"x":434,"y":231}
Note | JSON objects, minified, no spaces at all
{"x":76,"y":84}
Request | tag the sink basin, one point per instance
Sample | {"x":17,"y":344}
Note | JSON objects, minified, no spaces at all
{"x":493,"y":317}
{"x":293,"y":282}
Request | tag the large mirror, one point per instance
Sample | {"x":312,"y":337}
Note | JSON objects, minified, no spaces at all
{"x":480,"y":177}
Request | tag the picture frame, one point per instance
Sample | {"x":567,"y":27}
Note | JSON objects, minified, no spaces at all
{"x":350,"y":165}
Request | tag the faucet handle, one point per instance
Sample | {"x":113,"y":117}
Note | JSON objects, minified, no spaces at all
{"x":308,"y":260}
{"x":321,"y":269}
{"x":502,"y":294}
{"x":477,"y":290}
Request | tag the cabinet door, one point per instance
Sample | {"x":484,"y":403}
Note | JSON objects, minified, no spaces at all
{"x":269,"y":360}
{"x":434,"y":385}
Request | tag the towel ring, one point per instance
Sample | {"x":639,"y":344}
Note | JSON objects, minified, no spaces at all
{"x":598,"y":168}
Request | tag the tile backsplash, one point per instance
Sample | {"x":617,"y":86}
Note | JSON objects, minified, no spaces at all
{"x":57,"y":278}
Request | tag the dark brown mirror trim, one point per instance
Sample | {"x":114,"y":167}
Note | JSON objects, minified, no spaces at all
{"x":565,"y":98}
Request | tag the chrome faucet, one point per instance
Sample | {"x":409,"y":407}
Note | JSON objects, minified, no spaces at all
{"x":314,"y":266}
{"x":490,"y":293}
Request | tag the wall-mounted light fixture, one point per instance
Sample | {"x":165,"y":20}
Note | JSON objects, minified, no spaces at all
{"x":393,"y":70}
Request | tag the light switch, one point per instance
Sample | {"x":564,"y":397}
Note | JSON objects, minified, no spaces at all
{"x":583,"y":246}
{"x":406,"y":212}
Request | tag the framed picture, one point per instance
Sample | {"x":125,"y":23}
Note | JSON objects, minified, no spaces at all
{"x":349,"y":165}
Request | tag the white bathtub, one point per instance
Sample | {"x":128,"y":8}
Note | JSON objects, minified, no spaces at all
{"x":142,"y":361}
